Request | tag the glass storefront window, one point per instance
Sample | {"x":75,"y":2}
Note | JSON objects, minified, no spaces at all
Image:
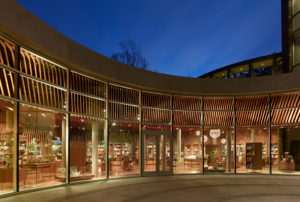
{"x":42,"y":143}
{"x":219,"y":149}
{"x":252,"y":148}
{"x":87,"y":151}
{"x":124,"y":151}
{"x":157,"y":149}
{"x":285,"y":150}
{"x":6,"y":145}
{"x":187,"y":150}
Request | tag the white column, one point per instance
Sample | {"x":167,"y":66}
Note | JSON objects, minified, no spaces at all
{"x":163,"y":140}
{"x":228,"y":143}
{"x":179,"y":146}
{"x":95,"y":126}
{"x":64,"y":141}
{"x":9,"y":136}
{"x":252,"y":135}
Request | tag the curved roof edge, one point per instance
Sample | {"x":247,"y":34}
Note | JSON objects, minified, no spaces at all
{"x":26,"y":29}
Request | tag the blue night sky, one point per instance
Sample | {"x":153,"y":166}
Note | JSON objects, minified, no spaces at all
{"x":179,"y":37}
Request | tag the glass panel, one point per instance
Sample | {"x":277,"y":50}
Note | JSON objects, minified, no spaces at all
{"x":87,"y":105}
{"x":122,"y":94}
{"x":41,"y":68}
{"x":42,"y":146}
{"x":252,"y":102}
{"x":186,"y":118}
{"x":285,"y":150}
{"x":152,"y":115}
{"x":149,"y":153}
{"x":164,"y":152}
{"x":87,"y":85}
{"x":219,"y":150}
{"x":187,"y":103}
{"x":252,"y":144}
{"x":123,"y":112}
{"x":285,"y":100}
{"x":156,"y":100}
{"x":124,"y":149}
{"x":6,"y":82}
{"x":87,"y":152}
{"x":187,"y":144}
{"x":218,"y":103}
{"x":42,"y":94}
{"x":6,"y":145}
{"x":218,"y":118}
{"x":7,"y":52}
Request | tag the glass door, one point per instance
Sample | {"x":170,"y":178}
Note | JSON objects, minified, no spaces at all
{"x":157,"y":153}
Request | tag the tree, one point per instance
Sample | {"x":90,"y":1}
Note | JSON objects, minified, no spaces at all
{"x":130,"y":54}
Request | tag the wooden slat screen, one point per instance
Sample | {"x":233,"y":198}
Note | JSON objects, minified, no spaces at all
{"x":218,"y":118}
{"x":151,"y":115}
{"x":187,"y":103}
{"x":218,"y":103}
{"x":87,"y":85}
{"x":123,"y":112}
{"x":87,"y":105}
{"x":7,"y":52}
{"x":285,"y":100}
{"x":285,"y":116}
{"x":187,"y":118}
{"x":257,"y":117}
{"x":42,"y":94}
{"x":123,"y":126}
{"x":80,"y":122}
{"x":156,"y":100}
{"x":125,"y":95}
{"x":6,"y":82}
{"x":188,"y":130}
{"x":157,"y":127}
{"x":43,"y":69}
{"x":253,"y":102}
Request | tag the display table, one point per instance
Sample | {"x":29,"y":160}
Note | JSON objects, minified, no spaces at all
{"x":287,"y":165}
{"x":42,"y":168}
{"x":191,"y":162}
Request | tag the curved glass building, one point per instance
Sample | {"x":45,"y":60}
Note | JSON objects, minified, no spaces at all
{"x":68,"y":114}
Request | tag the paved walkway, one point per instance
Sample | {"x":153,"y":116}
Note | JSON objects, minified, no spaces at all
{"x":185,"y":188}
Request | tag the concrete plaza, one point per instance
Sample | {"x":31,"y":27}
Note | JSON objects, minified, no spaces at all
{"x":175,"y":188}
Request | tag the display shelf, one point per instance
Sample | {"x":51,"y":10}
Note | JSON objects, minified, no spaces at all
{"x":254,"y":156}
{"x":274,"y":151}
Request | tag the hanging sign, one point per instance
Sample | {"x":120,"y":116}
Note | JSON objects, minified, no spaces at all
{"x":215,"y":133}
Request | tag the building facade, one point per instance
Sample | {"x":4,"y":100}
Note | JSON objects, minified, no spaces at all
{"x":68,"y":114}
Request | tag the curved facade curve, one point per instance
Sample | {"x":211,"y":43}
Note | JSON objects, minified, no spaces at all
{"x":69,"y":114}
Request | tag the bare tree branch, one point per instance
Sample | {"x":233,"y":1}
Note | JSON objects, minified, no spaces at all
{"x":130,"y":54}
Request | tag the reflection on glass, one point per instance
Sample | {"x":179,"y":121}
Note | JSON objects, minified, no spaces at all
{"x":164,"y":152}
{"x":285,"y":150}
{"x":149,"y":153}
{"x":218,"y":150}
{"x":252,"y":146}
{"x":87,"y":156}
{"x":42,"y":157}
{"x":6,"y":145}
{"x":123,"y":149}
{"x":187,"y":144}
